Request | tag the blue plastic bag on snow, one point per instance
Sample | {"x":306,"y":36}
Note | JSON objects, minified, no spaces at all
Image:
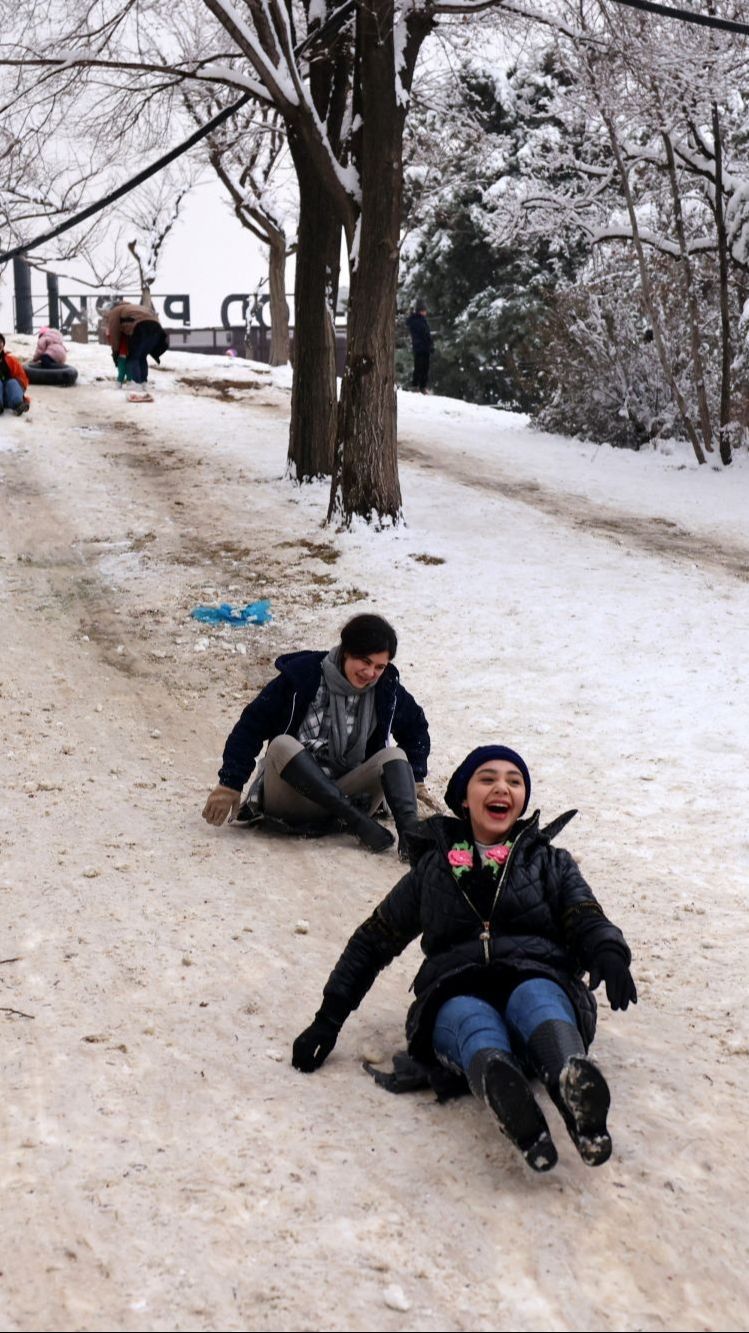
{"x":256,"y":613}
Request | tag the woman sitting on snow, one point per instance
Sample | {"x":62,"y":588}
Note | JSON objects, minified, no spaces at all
{"x":508,"y":926}
{"x":329,"y":718}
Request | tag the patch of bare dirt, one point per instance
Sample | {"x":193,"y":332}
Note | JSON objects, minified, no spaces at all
{"x":314,"y":550}
{"x":220,"y":389}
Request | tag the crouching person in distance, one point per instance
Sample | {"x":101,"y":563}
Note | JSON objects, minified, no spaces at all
{"x":329,"y":718}
{"x":508,"y":926}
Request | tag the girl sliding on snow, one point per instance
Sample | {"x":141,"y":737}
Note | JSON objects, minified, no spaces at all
{"x":508,"y":926}
{"x":330,"y":719}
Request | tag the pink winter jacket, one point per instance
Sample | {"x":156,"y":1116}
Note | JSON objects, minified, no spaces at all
{"x":50,"y":343}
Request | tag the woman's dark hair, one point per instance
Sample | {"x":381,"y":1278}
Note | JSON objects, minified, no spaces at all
{"x":368,"y":634}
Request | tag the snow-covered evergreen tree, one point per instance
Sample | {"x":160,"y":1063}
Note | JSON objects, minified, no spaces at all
{"x":489,"y":295}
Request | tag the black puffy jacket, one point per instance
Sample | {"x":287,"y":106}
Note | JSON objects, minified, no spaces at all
{"x":545,"y":922}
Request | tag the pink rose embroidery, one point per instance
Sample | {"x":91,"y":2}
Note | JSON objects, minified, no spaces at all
{"x":498,"y":854}
{"x":456,"y":857}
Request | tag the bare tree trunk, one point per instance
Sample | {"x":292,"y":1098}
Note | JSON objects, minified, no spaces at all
{"x":145,"y":289}
{"x":313,"y":393}
{"x":691,"y":299}
{"x":365,"y":477}
{"x":647,"y":291}
{"x":279,"y":310}
{"x":318,"y":262}
{"x":725,"y":319}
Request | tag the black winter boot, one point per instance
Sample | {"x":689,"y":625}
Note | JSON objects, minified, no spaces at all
{"x":497,"y":1079}
{"x":576,"y":1087}
{"x":400,"y":793}
{"x":306,"y":777}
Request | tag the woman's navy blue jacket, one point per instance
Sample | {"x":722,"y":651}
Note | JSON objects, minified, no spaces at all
{"x":281,"y":707}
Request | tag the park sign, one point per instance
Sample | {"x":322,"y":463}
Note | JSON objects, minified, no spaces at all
{"x":89,"y":309}
{"x":174,"y":307}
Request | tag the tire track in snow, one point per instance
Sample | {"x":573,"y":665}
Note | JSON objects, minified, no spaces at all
{"x":655,"y":536}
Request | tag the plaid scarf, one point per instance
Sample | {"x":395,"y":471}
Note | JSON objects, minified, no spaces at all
{"x":339,"y":721}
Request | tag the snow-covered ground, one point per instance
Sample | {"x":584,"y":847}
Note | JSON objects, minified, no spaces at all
{"x":164,"y":1167}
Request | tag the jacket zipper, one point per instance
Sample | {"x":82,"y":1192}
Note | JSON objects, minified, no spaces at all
{"x":485,"y":935}
{"x":291,"y":715}
{"x":390,"y":723}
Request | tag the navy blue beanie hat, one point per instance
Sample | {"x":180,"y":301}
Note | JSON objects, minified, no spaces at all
{"x":458,"y":784}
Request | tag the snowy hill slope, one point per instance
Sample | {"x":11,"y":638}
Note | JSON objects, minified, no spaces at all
{"x":165,"y":1166}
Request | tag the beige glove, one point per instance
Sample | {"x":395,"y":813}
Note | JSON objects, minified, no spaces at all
{"x":222,"y":802}
{"x":425,"y":798}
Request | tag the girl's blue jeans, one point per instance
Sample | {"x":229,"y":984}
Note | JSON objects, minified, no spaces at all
{"x":11,"y":393}
{"x":466,"y":1025}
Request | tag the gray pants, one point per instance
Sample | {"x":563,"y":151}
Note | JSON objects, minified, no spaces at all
{"x":283,"y":801}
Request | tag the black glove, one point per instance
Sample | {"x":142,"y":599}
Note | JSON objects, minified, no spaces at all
{"x":314,"y":1045}
{"x":610,"y":967}
{"x":115,"y":356}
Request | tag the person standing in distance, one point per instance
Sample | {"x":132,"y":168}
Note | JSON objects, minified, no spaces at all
{"x":422,"y":344}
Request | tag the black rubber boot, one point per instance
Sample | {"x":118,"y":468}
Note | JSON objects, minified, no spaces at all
{"x":497,"y":1079}
{"x":306,"y":777}
{"x":576,"y":1087}
{"x":400,"y":793}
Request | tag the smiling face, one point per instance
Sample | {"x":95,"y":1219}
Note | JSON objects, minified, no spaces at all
{"x":364,"y":671}
{"x":494,"y":799}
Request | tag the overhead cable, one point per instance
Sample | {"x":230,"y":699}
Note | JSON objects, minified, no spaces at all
{"x":687,"y":15}
{"x":329,"y":28}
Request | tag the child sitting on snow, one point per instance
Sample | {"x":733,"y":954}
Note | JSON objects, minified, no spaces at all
{"x":50,"y":350}
{"x":13,"y":382}
{"x":508,"y":926}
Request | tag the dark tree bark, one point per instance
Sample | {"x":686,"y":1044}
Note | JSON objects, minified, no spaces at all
{"x":318,"y":262}
{"x":690,"y":297}
{"x":279,"y":309}
{"x":724,"y":435}
{"x":313,"y":392}
{"x":365,"y":477}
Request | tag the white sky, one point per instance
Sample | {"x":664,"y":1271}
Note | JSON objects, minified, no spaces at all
{"x":208,"y":255}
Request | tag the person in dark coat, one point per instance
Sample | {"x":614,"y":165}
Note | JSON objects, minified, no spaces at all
{"x":422,"y":344}
{"x":508,"y":926}
{"x":329,"y":718}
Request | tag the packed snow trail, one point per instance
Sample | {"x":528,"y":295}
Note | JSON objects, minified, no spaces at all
{"x":653,"y":535}
{"x":164,"y":1166}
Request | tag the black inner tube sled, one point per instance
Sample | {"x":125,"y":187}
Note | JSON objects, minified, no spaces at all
{"x":61,"y":376}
